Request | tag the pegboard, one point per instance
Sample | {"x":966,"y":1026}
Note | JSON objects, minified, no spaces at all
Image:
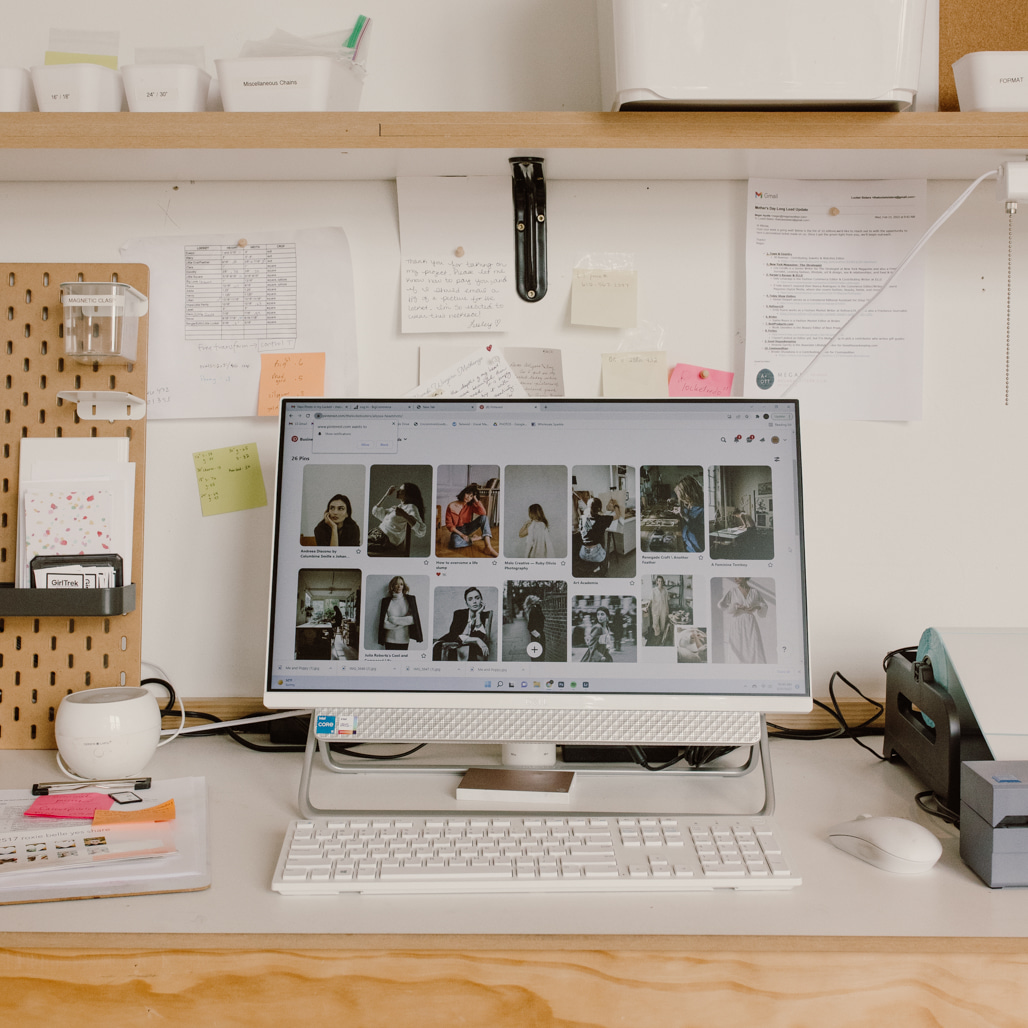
{"x":43,"y":657}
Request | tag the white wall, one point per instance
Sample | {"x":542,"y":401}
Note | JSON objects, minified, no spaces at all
{"x":908,"y":525}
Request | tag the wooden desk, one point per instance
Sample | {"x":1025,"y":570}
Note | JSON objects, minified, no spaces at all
{"x":852,"y":946}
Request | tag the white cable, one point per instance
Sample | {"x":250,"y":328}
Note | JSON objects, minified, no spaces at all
{"x":915,"y":250}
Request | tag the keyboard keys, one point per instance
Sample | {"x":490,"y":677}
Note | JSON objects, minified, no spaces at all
{"x":506,"y":853}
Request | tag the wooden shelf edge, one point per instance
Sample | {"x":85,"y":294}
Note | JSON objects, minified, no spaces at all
{"x":800,"y":130}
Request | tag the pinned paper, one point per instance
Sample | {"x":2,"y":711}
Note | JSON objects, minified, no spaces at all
{"x":642,"y":373}
{"x":607,"y":298}
{"x":289,"y":374}
{"x":76,"y":805}
{"x":484,"y":373}
{"x":696,"y":380}
{"x":229,"y":479}
{"x":162,"y":812}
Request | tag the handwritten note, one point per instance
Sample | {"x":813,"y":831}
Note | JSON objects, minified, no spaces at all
{"x":696,"y":380}
{"x":289,"y":374}
{"x":229,"y":479}
{"x":456,"y":259}
{"x":607,"y":298}
{"x":642,"y":373}
{"x":482,"y":374}
{"x":134,"y":816}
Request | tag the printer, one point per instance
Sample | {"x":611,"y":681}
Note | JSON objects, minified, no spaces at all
{"x":752,"y":54}
{"x":962,"y":697}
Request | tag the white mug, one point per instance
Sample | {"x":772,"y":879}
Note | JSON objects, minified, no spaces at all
{"x":108,"y":733}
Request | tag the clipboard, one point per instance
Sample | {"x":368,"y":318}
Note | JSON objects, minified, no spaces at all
{"x":185,"y":870}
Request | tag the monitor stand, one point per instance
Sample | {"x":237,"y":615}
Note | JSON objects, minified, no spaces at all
{"x":759,"y":752}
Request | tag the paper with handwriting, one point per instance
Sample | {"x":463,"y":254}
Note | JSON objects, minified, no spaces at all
{"x":456,"y":253}
{"x":217,"y":303}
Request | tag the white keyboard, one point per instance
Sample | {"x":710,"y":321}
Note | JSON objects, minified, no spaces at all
{"x":500,"y":853}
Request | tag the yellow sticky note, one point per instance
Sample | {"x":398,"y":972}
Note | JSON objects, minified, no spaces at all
{"x":162,"y":812}
{"x":635,"y":373}
{"x":229,"y":479}
{"x":289,"y":374}
{"x":605,"y":298}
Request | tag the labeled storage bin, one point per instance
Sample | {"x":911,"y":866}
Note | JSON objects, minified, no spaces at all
{"x":992,"y":80}
{"x":16,"y":92}
{"x":101,"y":321}
{"x":760,"y":54}
{"x":78,"y":87}
{"x":290,"y":84}
{"x":166,"y":87}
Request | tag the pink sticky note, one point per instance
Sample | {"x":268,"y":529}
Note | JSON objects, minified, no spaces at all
{"x":70,"y":804}
{"x":289,"y":374}
{"x":696,"y":380}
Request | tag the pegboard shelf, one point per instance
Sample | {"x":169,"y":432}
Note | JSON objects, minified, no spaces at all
{"x":57,"y":641}
{"x":67,"y":602}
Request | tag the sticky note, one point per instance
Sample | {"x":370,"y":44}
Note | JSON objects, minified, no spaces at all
{"x":608,"y":299}
{"x":229,"y":479}
{"x":162,"y":812}
{"x":635,"y":373}
{"x":289,"y":374}
{"x":697,"y":380}
{"x":70,"y":804}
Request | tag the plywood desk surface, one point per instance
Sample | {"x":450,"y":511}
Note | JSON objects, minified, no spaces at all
{"x":851,"y":944}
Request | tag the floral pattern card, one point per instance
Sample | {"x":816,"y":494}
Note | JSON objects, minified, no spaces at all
{"x":71,"y":518}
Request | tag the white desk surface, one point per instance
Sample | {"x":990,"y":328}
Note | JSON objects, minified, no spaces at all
{"x":253,"y":795}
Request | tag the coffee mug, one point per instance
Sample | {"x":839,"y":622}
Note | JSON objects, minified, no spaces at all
{"x":108,"y":733}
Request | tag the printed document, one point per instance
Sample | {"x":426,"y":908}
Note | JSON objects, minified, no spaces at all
{"x":218,"y":303}
{"x":816,"y":253}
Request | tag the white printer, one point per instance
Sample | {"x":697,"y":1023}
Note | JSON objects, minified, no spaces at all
{"x":760,"y":54}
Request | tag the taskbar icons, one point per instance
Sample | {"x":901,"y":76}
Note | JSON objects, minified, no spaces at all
{"x":532,"y":683}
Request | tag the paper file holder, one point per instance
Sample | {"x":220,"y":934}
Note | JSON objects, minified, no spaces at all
{"x":51,"y":644}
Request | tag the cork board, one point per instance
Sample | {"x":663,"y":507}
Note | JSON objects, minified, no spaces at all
{"x":967,"y":26}
{"x":45,"y":657}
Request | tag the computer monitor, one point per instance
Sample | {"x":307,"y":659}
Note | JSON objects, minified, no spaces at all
{"x":540,"y":571}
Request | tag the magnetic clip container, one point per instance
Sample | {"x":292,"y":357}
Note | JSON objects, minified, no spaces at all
{"x":101,"y":321}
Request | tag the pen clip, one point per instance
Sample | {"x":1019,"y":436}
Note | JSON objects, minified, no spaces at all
{"x":100,"y":785}
{"x":529,"y":189}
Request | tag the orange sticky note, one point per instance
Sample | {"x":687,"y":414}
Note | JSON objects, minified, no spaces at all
{"x":697,"y":380}
{"x":289,"y":374}
{"x":162,"y":812}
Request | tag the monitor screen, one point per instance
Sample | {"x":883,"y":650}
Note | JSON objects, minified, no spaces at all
{"x":525,"y":558}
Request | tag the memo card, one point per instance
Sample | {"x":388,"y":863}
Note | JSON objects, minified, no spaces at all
{"x":604,"y":297}
{"x":697,"y":380}
{"x":641,"y":373}
{"x":289,"y":374}
{"x":229,"y":479}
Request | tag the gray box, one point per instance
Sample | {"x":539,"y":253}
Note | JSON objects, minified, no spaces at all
{"x":994,"y":820}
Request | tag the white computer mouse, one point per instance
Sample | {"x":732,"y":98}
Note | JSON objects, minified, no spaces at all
{"x":891,"y":843}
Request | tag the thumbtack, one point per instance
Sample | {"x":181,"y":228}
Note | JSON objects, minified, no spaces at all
{"x":242,"y":242}
{"x":459,"y":252}
{"x":833,"y":211}
{"x":704,"y":373}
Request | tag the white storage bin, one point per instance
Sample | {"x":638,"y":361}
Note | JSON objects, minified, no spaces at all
{"x":78,"y":87}
{"x":771,"y":54}
{"x":289,"y":84}
{"x":166,"y":87}
{"x":992,"y":80}
{"x":101,"y":321}
{"x":16,"y":93}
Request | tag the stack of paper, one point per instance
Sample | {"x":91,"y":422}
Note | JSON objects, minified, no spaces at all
{"x":169,"y":856}
{"x":76,"y":497}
